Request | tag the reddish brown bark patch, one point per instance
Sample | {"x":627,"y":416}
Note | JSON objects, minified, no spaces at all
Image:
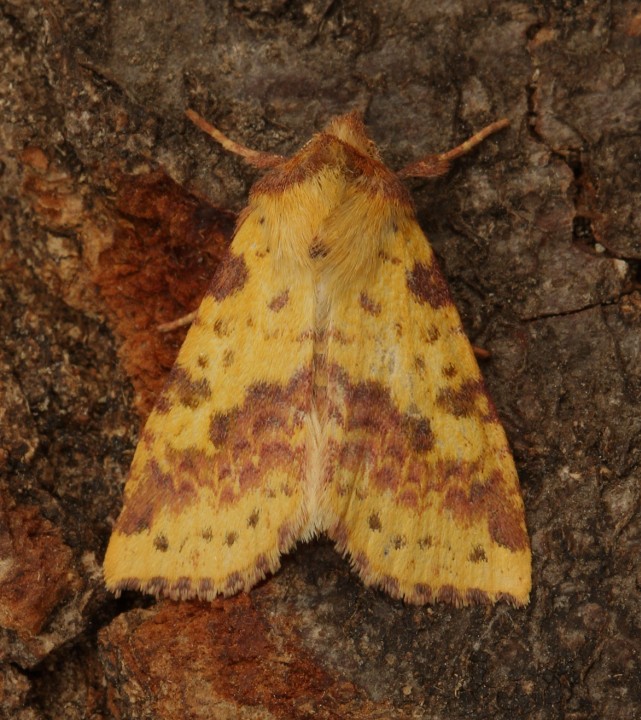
{"x":166,"y":246}
{"x":239,"y":664}
{"x":37,"y":570}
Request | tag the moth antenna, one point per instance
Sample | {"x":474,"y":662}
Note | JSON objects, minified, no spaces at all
{"x":432,"y":166}
{"x":257,"y":158}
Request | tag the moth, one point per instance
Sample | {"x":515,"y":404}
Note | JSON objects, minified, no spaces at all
{"x":326,"y":386}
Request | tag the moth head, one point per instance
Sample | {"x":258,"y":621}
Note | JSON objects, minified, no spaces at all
{"x":350,"y":129}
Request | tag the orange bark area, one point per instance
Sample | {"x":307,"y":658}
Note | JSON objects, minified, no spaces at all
{"x":37,"y":569}
{"x":232,"y":657}
{"x":167,"y":244}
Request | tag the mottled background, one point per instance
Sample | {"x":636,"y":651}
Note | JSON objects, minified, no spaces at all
{"x":115,"y":211}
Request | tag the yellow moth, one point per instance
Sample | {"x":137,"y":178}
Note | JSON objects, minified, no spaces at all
{"x":326,"y":386}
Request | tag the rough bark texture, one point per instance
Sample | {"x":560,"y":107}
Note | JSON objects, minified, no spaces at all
{"x":111,"y":223}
